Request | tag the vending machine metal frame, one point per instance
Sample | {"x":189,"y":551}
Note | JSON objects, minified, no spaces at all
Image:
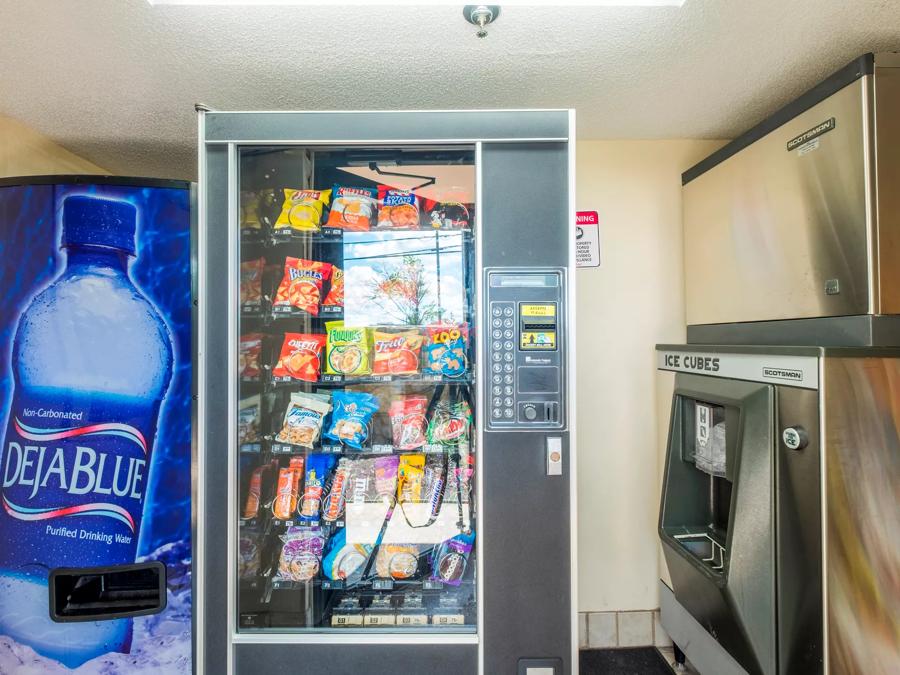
{"x":526,"y":590}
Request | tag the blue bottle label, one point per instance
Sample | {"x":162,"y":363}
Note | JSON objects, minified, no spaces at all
{"x":75,"y":470}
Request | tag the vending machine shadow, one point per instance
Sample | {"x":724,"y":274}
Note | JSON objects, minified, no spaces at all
{"x":96,"y":382}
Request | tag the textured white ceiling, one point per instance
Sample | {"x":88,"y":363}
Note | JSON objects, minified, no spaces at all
{"x":115,"y":80}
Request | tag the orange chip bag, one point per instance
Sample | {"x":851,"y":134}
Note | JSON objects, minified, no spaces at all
{"x":301,"y":285}
{"x":396,"y":353}
{"x":301,"y":358}
{"x":353,"y":208}
{"x":336,"y":293}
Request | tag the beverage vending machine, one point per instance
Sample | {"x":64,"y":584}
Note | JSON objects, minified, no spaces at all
{"x":96,"y":380}
{"x":386,"y":464}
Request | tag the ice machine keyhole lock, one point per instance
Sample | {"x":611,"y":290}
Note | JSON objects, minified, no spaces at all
{"x":795,"y":438}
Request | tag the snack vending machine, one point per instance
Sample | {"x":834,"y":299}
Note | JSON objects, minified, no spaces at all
{"x":95,"y":384}
{"x":386,"y":474}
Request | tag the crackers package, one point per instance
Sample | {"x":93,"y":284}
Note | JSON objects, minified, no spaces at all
{"x":303,"y":420}
{"x":445,"y":350}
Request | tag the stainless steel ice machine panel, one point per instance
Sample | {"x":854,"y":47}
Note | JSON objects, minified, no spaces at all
{"x":800,"y":217}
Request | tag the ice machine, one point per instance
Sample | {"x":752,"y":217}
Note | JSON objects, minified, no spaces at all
{"x":386,"y":474}
{"x":779,"y":515}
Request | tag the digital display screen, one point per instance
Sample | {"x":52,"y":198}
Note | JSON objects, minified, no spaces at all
{"x":525,"y":280}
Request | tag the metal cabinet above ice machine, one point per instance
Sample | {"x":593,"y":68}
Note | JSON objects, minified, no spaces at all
{"x":800,"y":217}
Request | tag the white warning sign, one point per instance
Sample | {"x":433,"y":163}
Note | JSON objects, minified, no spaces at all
{"x":587,"y":239}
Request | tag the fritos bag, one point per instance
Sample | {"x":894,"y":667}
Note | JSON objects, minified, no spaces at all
{"x":301,"y":285}
{"x":396,"y":353}
{"x":302,"y":210}
{"x":397,"y":209}
{"x":301,"y":358}
{"x":353,"y":208}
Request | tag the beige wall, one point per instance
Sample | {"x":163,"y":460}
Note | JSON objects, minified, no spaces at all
{"x":633,"y":301}
{"x":24,"y":152}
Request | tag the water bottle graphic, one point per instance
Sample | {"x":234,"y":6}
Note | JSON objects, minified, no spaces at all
{"x":91,"y":361}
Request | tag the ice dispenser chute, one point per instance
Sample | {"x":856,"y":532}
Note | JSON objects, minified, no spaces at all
{"x":717,"y":512}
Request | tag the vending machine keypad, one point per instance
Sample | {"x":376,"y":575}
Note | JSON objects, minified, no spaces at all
{"x":525,"y":354}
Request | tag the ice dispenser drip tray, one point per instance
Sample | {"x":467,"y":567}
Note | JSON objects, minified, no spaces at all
{"x":96,"y":593}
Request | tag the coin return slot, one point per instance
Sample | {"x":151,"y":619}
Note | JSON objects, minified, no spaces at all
{"x":96,"y":593}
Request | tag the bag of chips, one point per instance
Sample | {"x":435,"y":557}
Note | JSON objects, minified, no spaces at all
{"x":397,"y":561}
{"x":248,"y":420}
{"x":445,"y":350}
{"x":353,"y":209}
{"x":336,"y":292}
{"x":301,"y":285}
{"x":448,"y":215}
{"x":407,"y":415}
{"x":347,"y":350}
{"x":397,"y":209}
{"x":248,"y":359}
{"x":248,"y":554}
{"x":251,"y":282}
{"x":301,"y":554}
{"x":303,"y":420}
{"x":300,"y":359}
{"x":353,"y":411}
{"x":317,"y":467}
{"x":250,"y":211}
{"x":345,"y":561}
{"x":449,"y":423}
{"x":302,"y":210}
{"x":396,"y":353}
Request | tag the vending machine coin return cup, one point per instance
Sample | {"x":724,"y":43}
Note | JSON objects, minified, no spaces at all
{"x":103,"y":593}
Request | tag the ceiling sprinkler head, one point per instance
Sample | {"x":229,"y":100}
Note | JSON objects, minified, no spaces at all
{"x":481,"y":16}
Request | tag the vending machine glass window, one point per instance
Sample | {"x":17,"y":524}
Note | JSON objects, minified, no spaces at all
{"x":355,"y":422}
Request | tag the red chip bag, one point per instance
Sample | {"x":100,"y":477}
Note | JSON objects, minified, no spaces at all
{"x":248,"y":361}
{"x":301,"y":285}
{"x":251,"y":281}
{"x":336,"y":293}
{"x":407,"y":415}
{"x":301,"y":358}
{"x":396,"y":353}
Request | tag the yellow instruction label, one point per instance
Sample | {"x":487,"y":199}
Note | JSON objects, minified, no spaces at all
{"x":538,"y":310}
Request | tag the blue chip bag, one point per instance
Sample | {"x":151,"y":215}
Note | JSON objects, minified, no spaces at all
{"x":350,"y":418}
{"x":345,"y":561}
{"x":318,"y":466}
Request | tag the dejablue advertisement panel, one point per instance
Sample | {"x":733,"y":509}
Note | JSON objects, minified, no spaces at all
{"x":95,"y":385}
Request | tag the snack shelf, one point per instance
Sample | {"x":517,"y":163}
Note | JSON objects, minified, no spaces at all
{"x":363,"y":585}
{"x":279,"y":314}
{"x":278,"y":448}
